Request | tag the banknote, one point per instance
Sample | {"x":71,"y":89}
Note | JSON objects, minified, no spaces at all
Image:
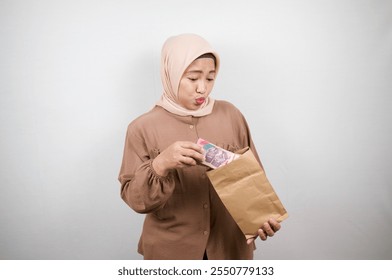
{"x":215,"y":156}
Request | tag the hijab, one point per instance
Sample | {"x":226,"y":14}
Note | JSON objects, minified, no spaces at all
{"x":178,"y":52}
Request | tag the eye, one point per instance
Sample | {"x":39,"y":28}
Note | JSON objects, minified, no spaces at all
{"x":192,"y":79}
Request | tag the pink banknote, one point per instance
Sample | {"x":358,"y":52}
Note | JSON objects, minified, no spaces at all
{"x":215,"y":156}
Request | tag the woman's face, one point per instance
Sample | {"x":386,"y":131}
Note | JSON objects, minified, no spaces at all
{"x":196,"y":83}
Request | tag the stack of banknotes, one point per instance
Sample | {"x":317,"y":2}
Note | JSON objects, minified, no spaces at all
{"x":215,"y":156}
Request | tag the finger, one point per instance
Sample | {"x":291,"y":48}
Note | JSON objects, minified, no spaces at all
{"x":188,"y":152}
{"x":262,"y":234}
{"x":250,"y":241}
{"x":275,"y":225}
{"x":191,"y":145}
{"x":268,"y":230}
{"x":188,"y":160}
{"x":197,"y":156}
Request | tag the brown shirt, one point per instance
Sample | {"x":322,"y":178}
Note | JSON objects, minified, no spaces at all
{"x":185,"y":216}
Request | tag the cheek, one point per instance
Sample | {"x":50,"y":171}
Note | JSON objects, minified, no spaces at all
{"x":183,"y":93}
{"x":185,"y":88}
{"x":211,"y":86}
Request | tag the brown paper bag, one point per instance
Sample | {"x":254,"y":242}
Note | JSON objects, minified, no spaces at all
{"x":247,"y":194}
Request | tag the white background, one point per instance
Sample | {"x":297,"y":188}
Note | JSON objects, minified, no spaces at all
{"x":313,"y":79}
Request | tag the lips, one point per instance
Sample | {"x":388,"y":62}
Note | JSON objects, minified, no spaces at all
{"x":200,"y":100}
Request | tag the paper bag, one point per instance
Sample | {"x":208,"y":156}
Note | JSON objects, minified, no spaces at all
{"x":247,"y":194}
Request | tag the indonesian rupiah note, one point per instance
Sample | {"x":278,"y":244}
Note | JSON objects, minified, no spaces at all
{"x":215,"y":156}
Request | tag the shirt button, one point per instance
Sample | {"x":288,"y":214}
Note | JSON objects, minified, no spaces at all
{"x":205,"y":232}
{"x":203,"y":175}
{"x":191,"y":126}
{"x":205,"y":205}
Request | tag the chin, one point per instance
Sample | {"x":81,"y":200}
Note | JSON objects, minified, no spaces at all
{"x":192,"y":107}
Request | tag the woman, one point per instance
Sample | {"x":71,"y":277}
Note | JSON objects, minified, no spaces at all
{"x":161,"y":174}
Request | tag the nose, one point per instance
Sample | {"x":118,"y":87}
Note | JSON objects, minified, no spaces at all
{"x":201,"y":87}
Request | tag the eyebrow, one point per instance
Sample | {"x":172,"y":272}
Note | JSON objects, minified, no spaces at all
{"x":199,"y":71}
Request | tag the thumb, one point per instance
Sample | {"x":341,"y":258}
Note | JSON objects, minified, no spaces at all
{"x":250,"y":240}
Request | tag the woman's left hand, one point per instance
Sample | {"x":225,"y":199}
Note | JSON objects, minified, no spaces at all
{"x":268,"y":229}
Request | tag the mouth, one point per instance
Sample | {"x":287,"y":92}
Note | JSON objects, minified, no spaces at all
{"x":200,"y":100}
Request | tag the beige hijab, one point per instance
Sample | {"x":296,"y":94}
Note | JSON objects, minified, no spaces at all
{"x":178,"y":53}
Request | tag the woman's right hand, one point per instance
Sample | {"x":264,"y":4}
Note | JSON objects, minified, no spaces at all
{"x":178,"y":155}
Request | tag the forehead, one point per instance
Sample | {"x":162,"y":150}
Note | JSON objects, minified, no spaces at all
{"x":204,"y":64}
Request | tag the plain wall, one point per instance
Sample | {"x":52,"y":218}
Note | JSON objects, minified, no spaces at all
{"x":313,"y":79}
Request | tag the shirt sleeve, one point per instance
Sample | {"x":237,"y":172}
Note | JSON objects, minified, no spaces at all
{"x":141,"y":187}
{"x":245,"y":133}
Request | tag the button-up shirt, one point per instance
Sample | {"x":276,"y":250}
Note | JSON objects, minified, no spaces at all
{"x":184,"y":215}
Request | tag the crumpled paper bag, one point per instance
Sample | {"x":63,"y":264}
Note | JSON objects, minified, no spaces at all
{"x":246,"y":193}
